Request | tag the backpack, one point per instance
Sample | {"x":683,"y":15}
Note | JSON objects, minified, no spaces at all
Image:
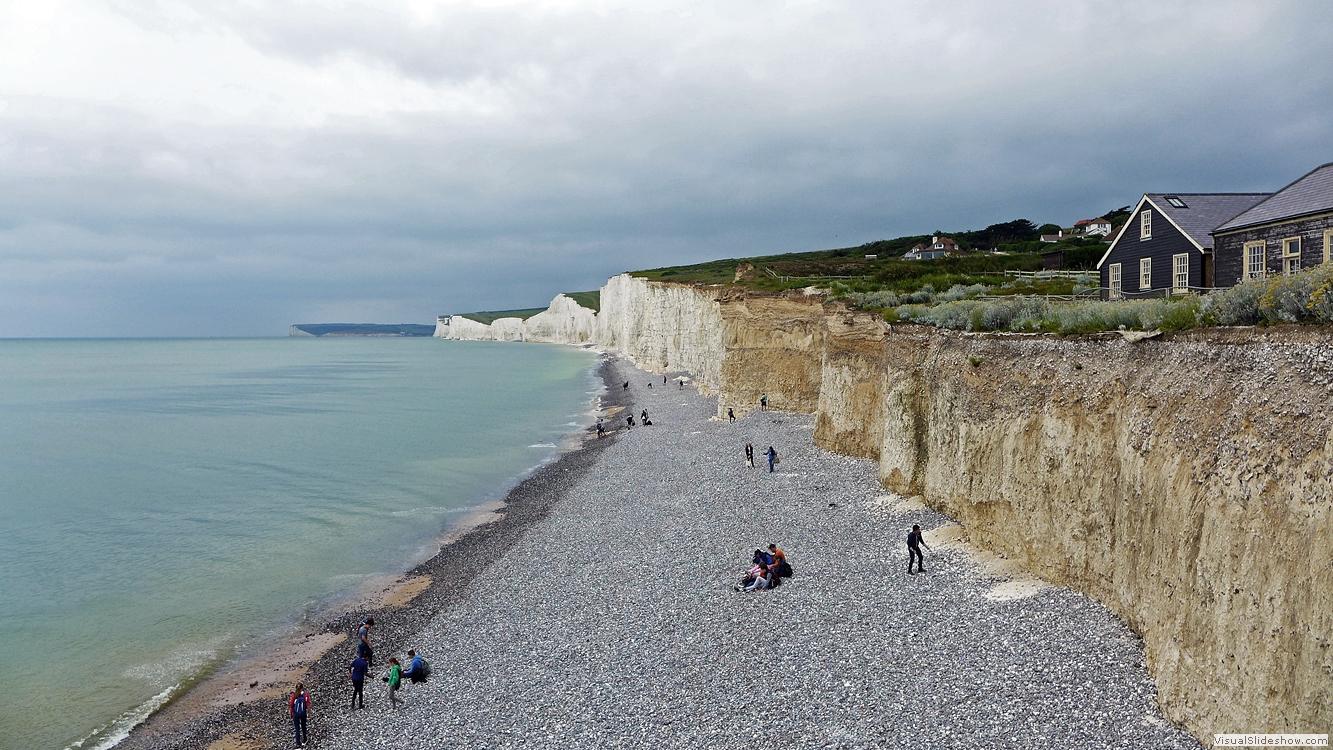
{"x":298,"y":706}
{"x":425,"y":668}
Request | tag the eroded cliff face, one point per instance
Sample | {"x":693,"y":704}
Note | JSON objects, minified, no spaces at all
{"x":1183,"y":481}
{"x":735,"y":344}
{"x":564,"y":322}
{"x":772,"y":346}
{"x":664,"y":327}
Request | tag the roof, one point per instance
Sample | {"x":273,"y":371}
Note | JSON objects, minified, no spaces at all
{"x":1197,"y":215}
{"x":1311,"y":194}
{"x":1081,"y":222}
{"x":1098,"y":221}
{"x":1203,"y":212}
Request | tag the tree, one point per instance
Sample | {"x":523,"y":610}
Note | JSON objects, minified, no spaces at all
{"x":1118,"y":216}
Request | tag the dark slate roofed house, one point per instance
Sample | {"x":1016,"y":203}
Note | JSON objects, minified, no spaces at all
{"x":1165,"y":246}
{"x":1289,"y":231}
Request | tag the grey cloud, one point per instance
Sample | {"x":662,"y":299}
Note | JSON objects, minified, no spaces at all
{"x":631,"y":139}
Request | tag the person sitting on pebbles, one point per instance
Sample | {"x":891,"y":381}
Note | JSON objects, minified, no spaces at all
{"x":759,"y":578}
{"x":762,"y":576}
{"x":780,"y":567}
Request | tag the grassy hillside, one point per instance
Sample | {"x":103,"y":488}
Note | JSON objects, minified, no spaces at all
{"x":1017,"y":243}
{"x":591,"y":300}
{"x":494,"y":315}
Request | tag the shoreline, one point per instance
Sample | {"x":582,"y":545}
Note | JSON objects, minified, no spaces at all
{"x":224,"y":709}
{"x":614,"y":623}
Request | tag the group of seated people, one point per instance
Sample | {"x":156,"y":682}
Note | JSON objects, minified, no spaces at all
{"x":770,"y":567}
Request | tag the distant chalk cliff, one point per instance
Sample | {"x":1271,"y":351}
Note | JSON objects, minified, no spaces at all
{"x":360,"y":329}
{"x":564,"y":321}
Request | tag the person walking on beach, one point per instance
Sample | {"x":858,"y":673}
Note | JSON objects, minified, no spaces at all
{"x":358,"y":673}
{"x":395,"y":679}
{"x":681,"y":383}
{"x":645,"y":416}
{"x":914,"y":542}
{"x":600,"y":429}
{"x":363,"y":648}
{"x":629,"y":421}
{"x":772,"y":458}
{"x":299,"y":707}
{"x":749,"y":455}
{"x":731,"y":416}
{"x":663,"y":380}
{"x":763,"y":402}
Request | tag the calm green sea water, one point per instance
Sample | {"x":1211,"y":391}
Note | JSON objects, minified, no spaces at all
{"x":165,"y":502}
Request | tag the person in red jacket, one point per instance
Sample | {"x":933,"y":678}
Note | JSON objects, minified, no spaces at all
{"x":299,"y":707}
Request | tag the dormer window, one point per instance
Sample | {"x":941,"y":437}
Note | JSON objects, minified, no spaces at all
{"x":1176,"y":201}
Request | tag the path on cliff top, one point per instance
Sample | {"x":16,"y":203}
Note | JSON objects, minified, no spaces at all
{"x":612,"y":623}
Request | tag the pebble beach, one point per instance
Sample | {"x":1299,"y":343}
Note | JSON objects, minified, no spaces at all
{"x":612,"y":621}
{"x":599,"y":611}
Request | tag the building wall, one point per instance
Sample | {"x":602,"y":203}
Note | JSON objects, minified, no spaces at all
{"x":1230,"y":248}
{"x":1166,"y":241}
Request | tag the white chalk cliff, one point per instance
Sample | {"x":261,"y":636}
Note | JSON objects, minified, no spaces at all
{"x":563,"y":322}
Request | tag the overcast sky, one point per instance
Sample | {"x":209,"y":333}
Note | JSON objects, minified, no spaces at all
{"x":220,"y":168}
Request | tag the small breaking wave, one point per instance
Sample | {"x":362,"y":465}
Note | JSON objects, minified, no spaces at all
{"x":112,"y":733}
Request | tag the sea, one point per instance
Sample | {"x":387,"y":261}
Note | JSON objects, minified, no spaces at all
{"x":169,"y":505}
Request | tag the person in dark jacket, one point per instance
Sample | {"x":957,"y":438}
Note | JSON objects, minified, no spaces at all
{"x":416,"y":667}
{"x":357,"y":671}
{"x":914,"y":544}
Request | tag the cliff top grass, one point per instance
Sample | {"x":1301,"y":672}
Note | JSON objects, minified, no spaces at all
{"x":493,"y":315}
{"x":798,"y":270}
{"x":591,"y":300}
{"x":1305,"y":297}
{"x":1016,"y":242}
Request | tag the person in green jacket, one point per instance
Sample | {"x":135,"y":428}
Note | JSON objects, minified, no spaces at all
{"x":395,"y":679}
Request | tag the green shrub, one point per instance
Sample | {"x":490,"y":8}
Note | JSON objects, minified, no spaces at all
{"x":1237,"y":306}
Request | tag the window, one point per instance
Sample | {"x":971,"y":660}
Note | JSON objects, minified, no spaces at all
{"x":1328,"y":251}
{"x":1254,"y":260}
{"x":1176,"y":201}
{"x":1115,"y":281}
{"x":1145,"y":225}
{"x":1180,"y":267}
{"x":1145,"y":273}
{"x":1291,"y":255}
